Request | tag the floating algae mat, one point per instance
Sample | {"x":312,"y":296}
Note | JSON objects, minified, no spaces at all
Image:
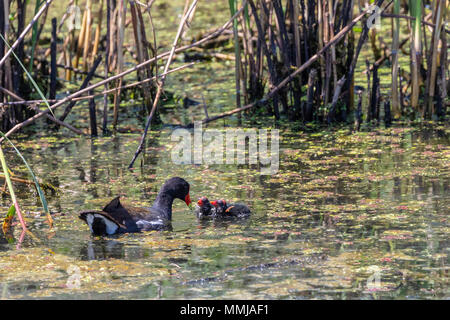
{"x":348,"y":215}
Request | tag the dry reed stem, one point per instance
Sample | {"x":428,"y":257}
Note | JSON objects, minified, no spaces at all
{"x":115,"y":77}
{"x":161,"y":83}
{"x":31,"y":102}
{"x":25,"y":31}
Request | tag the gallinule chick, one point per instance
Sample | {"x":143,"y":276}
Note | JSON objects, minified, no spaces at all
{"x":224,"y":210}
{"x":204,"y":208}
{"x":118,"y":218}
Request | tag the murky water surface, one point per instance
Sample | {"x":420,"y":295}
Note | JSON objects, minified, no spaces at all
{"x":347,"y":216}
{"x":361,"y":215}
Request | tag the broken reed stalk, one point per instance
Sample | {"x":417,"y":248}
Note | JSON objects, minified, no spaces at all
{"x":161,"y":83}
{"x":297,"y":87}
{"x":121,"y":12}
{"x":320,"y":42}
{"x":400,"y":91}
{"x":358,"y":116}
{"x":237,"y":53}
{"x":378,"y":105}
{"x":92,"y":118}
{"x":387,"y":114}
{"x":394,"y":71}
{"x":432,"y":61}
{"x":80,"y":41}
{"x":328,"y":54}
{"x":108,"y":46}
{"x":369,"y":69}
{"x":98,"y":30}
{"x":328,"y":62}
{"x":205,"y":108}
{"x":296,"y":13}
{"x":53,"y":68}
{"x":309,"y":111}
{"x":113,"y":39}
{"x":349,"y":43}
{"x":443,"y":71}
{"x":332,"y":15}
{"x":155,"y":45}
{"x":371,"y":112}
{"x":416,"y":49}
{"x":67,"y":56}
{"x":87,"y":35}
{"x":4,"y":12}
{"x":337,"y":92}
{"x":374,"y":46}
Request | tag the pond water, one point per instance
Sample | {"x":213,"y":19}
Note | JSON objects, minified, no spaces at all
{"x":347,"y":216}
{"x":362,"y":215}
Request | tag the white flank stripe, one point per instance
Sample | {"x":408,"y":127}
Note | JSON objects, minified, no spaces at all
{"x":142,"y":224}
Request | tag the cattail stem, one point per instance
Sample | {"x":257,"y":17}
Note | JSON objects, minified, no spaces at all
{"x":394,"y":71}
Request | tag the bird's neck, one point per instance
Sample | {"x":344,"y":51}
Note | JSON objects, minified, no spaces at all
{"x":164,"y":203}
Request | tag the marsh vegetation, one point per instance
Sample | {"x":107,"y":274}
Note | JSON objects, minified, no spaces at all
{"x":91,"y":92}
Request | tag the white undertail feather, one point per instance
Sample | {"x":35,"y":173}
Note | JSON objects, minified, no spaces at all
{"x":111,"y":227}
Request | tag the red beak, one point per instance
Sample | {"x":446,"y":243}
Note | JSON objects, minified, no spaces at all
{"x":187,"y":199}
{"x":214,"y":203}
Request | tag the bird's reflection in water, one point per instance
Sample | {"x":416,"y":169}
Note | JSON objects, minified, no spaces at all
{"x":221,"y":224}
{"x":101,"y":249}
{"x":6,"y":239}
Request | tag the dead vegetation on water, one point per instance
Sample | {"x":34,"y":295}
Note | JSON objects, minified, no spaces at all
{"x":294,"y":60}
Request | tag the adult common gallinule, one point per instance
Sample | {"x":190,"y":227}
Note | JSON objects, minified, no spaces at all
{"x":118,"y":218}
{"x":224,"y":210}
{"x":204,"y":208}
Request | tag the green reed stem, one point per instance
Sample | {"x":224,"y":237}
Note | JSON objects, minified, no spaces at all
{"x":36,"y":183}
{"x":11,"y":189}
